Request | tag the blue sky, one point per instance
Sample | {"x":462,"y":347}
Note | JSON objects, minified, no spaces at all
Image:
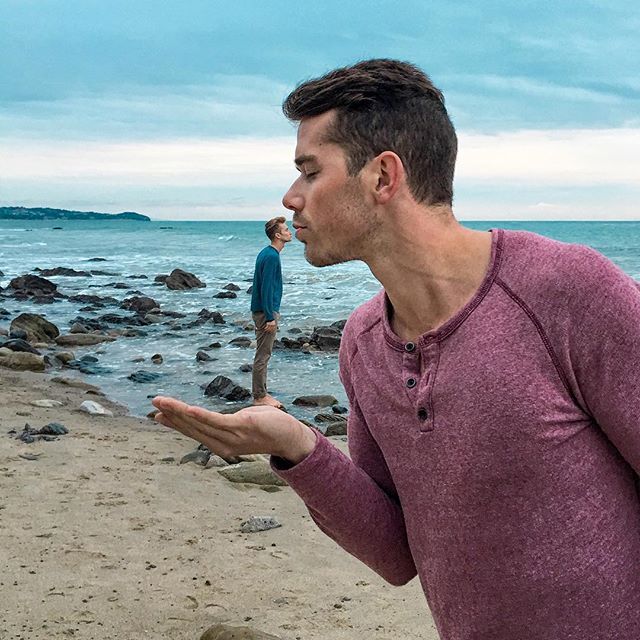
{"x":173,"y":108}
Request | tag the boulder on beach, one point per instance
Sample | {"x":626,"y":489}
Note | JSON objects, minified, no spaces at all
{"x":37,"y":327}
{"x":179,"y":280}
{"x":225,"y":294}
{"x":226,"y":388}
{"x":315,"y":401}
{"x":139,"y":304}
{"x":231,"y":287}
{"x":327,"y":338}
{"x":82,"y":339}
{"x":212,"y":316}
{"x":30,"y":285}
{"x":143,"y":377}
{"x":18,"y":344}
{"x":241,"y":342}
{"x":94,"y":408}
{"x":63,"y":271}
{"x":258,"y":472}
{"x":21,"y":360}
{"x":226,"y":632}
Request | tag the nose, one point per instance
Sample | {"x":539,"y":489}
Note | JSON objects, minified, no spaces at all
{"x":292,"y":200}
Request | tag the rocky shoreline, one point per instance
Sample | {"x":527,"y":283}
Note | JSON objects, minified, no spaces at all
{"x":33,"y":340}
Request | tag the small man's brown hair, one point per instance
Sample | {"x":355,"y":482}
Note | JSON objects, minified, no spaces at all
{"x":273,"y":226}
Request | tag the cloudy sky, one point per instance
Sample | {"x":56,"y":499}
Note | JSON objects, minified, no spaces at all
{"x":172,"y":108}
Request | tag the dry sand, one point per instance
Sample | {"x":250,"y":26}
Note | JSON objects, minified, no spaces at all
{"x":102,"y":539}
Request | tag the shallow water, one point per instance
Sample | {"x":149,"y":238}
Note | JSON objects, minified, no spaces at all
{"x":219,"y":253}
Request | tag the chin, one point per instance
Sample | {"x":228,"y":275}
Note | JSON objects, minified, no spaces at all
{"x":323,"y":260}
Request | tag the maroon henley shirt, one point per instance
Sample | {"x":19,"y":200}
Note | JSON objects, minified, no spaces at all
{"x":497,"y":457}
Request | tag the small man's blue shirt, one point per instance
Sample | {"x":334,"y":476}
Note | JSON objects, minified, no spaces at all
{"x":267,"y":283}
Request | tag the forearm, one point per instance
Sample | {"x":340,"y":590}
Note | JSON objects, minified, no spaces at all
{"x":352,"y":509}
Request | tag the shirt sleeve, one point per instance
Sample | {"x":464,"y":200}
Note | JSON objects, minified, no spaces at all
{"x":270,"y":270}
{"x":354,"y":500}
{"x":605,"y":354}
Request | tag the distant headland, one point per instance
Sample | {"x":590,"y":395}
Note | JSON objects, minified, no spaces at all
{"x":45,"y":213}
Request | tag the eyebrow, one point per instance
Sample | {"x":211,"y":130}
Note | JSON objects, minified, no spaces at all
{"x":300,"y":160}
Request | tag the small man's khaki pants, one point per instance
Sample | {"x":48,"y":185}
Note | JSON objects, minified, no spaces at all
{"x":264,"y":348}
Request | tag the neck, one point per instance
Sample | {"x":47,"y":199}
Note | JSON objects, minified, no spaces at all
{"x":278,"y":245}
{"x":430,"y":267}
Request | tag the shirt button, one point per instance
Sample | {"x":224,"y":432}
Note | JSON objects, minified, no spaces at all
{"x":410,"y":346}
{"x":411,"y":382}
{"x":422,"y":414}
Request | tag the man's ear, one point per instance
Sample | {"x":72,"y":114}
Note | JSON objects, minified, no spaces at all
{"x":388,"y":176}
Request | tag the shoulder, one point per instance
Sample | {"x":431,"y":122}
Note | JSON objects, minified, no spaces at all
{"x":546,"y":273}
{"x":269,"y":254}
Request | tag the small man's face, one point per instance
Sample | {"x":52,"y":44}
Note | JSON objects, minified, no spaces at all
{"x":284,"y":233}
{"x":330,"y":209}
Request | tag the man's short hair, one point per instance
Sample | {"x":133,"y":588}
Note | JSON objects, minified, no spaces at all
{"x":385,"y":105}
{"x":273,"y":226}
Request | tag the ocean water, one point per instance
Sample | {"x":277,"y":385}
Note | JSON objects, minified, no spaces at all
{"x":220,"y":253}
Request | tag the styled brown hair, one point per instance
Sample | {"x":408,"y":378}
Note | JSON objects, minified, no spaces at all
{"x":272,"y":227}
{"x":385,"y":105}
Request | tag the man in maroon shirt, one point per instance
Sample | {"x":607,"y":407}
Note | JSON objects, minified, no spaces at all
{"x":494,"y":429}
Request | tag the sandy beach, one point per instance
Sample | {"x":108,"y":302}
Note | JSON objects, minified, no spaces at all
{"x":103,"y":534}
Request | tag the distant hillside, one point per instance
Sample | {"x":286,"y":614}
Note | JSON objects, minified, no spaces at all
{"x":44,"y":213}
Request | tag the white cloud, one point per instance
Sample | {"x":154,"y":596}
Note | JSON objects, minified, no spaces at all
{"x":560,"y":157}
{"x":223,"y":178}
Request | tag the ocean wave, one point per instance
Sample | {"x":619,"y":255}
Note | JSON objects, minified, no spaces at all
{"x":22,"y":245}
{"x":227,"y":238}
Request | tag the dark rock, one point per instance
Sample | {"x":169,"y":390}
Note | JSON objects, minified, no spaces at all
{"x":139,"y":277}
{"x":212,"y":316}
{"x":18,"y":334}
{"x":326,"y":338}
{"x":97,"y":260}
{"x":336,"y":425}
{"x":295,"y":330}
{"x":78,"y":327}
{"x":179,"y":280}
{"x":329,"y":418}
{"x":199,"y":457}
{"x":250,"y":289}
{"x":336,"y":429}
{"x":144,"y":377}
{"x":289,"y":343}
{"x":18,"y":344}
{"x":225,"y":294}
{"x":97,"y":272}
{"x":82,"y":339}
{"x":231,"y":287}
{"x":113,"y":318}
{"x":315,"y":401}
{"x":241,"y":342}
{"x":202,"y":356}
{"x":63,"y":271}
{"x":215,"y":345}
{"x":246,"y":368}
{"x":37,"y":328}
{"x":139,"y":304}
{"x":225,"y":388}
{"x":161,"y":279}
{"x":339,"y":409}
{"x":89,"y":299}
{"x":157,"y":358}
{"x":30,"y":285}
{"x":339,"y":324}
